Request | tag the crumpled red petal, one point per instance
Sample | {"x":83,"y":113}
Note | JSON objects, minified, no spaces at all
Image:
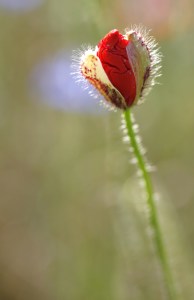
{"x":113,"y":56}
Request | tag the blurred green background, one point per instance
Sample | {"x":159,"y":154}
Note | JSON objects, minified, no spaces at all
{"x":71,"y":209}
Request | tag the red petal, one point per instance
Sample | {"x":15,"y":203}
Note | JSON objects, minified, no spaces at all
{"x":113,"y":56}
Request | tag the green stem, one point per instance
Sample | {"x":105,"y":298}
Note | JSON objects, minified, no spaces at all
{"x":153,"y":215}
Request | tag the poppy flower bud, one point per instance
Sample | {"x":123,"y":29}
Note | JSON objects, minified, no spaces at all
{"x":122,"y":68}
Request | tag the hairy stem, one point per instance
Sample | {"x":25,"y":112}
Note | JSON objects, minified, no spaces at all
{"x":153,"y":215}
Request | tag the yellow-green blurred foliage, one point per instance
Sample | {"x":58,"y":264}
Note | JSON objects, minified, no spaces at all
{"x":71,"y":225}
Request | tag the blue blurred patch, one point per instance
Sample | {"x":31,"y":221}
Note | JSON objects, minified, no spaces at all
{"x":51,"y":82}
{"x":20,"y":5}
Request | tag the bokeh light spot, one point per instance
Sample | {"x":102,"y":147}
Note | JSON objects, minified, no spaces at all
{"x":20,"y":5}
{"x":51,"y":82}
